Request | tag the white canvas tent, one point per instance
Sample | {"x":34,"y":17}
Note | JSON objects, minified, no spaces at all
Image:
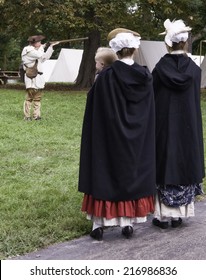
{"x":67,"y":66}
{"x":48,"y":67}
{"x":150,"y":52}
{"x":203,"y":78}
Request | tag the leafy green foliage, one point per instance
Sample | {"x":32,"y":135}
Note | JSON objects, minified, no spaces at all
{"x":62,"y":19}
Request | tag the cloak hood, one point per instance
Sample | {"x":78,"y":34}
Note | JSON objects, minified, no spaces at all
{"x":136,"y":83}
{"x":168,"y":74}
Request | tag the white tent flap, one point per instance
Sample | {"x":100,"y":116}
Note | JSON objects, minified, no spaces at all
{"x":48,"y":67}
{"x":67,"y":66}
{"x":150,"y":52}
{"x":203,"y":78}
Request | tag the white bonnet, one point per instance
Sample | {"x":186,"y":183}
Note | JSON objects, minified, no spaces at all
{"x":175,"y":31}
{"x":123,"y":38}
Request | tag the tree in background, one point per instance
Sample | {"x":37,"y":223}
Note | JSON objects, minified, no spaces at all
{"x":65,"y":19}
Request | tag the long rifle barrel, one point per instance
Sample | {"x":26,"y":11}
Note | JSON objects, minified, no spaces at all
{"x":68,"y":40}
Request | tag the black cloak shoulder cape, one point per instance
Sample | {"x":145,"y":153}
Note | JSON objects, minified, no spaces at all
{"x":117,"y":158}
{"x":179,"y":137}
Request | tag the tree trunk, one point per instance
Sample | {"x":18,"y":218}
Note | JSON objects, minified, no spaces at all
{"x":86,"y":74}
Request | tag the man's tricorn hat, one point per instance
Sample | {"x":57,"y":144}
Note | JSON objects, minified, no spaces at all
{"x":116,"y":31}
{"x":35,"y":38}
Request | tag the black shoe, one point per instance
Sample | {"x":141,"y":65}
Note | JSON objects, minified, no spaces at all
{"x":162,"y":225}
{"x":175,"y":223}
{"x":97,"y":233}
{"x":37,"y":118}
{"x":127,"y":231}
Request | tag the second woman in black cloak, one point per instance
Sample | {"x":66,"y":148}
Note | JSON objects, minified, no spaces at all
{"x":179,"y":137}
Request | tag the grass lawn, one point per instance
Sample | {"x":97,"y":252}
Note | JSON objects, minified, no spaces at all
{"x":39,"y":202}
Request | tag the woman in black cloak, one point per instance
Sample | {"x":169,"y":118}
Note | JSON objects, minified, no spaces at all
{"x":179,"y":137}
{"x":117,"y":159}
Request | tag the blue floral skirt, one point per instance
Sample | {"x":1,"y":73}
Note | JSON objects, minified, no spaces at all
{"x":178,"y":195}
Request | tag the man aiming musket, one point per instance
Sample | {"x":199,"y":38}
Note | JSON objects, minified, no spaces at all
{"x":33,"y":56}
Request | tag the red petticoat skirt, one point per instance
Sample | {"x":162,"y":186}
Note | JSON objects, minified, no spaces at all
{"x":109,"y":210}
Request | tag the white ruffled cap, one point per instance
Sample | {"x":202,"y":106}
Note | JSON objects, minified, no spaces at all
{"x":124,"y":40}
{"x":176,"y":31}
{"x":181,"y":37}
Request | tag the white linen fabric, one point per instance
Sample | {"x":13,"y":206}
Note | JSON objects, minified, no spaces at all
{"x":29,"y":56}
{"x":181,"y":37}
{"x":124,"y":40}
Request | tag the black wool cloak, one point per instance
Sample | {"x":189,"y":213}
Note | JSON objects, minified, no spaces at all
{"x":117,"y":158}
{"x":179,"y":137}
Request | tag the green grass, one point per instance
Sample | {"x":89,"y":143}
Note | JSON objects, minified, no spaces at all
{"x":39,"y":202}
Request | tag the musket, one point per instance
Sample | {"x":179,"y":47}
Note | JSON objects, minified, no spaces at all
{"x":68,"y":40}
